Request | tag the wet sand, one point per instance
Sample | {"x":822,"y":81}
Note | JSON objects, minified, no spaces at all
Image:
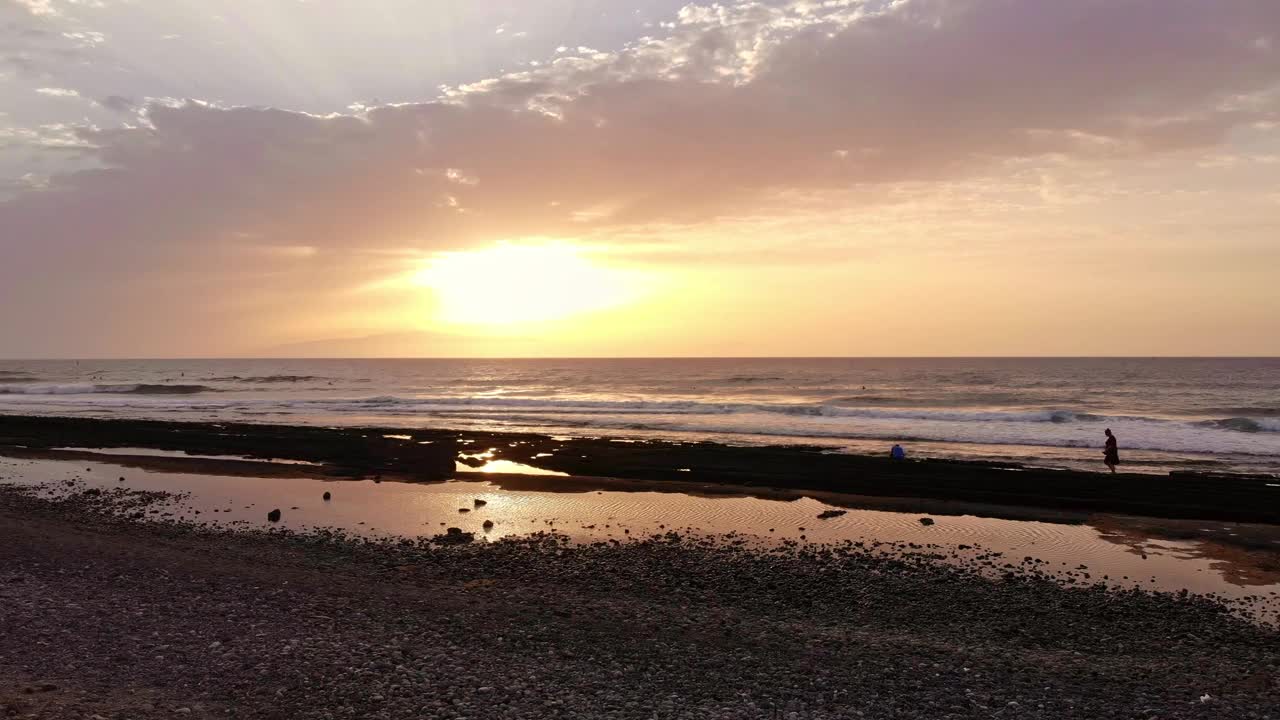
{"x":423,"y":455}
{"x":1231,"y":560}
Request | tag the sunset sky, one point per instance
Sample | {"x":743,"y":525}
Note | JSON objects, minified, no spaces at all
{"x":599,"y":178}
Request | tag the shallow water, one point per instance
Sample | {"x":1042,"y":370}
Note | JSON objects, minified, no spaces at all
{"x":1119,"y":551}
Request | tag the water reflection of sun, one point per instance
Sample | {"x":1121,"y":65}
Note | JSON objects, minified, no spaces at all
{"x":521,"y":283}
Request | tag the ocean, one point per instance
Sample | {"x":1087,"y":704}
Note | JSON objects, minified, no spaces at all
{"x":1168,"y":413}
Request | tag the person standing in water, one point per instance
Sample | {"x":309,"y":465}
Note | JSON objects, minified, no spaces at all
{"x":1111,"y":454}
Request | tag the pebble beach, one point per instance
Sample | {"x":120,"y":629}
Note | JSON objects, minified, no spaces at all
{"x":110,"y":615}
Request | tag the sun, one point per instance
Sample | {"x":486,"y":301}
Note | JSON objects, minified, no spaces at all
{"x":522,"y":283}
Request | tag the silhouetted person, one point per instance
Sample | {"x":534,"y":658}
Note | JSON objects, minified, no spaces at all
{"x":897,"y":453}
{"x":1111,"y":454}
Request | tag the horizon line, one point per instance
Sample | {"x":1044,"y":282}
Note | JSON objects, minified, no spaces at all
{"x":648,"y":357}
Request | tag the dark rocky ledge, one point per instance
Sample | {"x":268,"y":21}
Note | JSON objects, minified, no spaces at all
{"x":430,"y":455}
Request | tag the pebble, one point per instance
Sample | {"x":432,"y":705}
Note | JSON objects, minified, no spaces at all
{"x":793,"y":627}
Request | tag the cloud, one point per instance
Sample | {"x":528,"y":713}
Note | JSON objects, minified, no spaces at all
{"x":736,"y":103}
{"x":57,"y":92}
{"x":119,"y":104}
{"x":85,"y":38}
{"x":37,"y":7}
{"x":32,"y":45}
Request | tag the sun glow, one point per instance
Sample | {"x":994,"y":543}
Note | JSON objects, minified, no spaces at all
{"x":512,"y":283}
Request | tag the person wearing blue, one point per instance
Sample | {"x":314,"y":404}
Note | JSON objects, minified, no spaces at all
{"x":897,"y":453}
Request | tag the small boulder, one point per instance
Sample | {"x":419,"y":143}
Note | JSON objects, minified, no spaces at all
{"x":464,"y":510}
{"x":479,"y":502}
{"x":274,"y":515}
{"x":454,"y":536}
{"x":327,"y":495}
{"x":830,"y":514}
{"x":488,"y":525}
{"x":926,"y":521}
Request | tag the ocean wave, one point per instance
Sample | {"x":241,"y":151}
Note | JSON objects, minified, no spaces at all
{"x":113,"y":389}
{"x":954,"y":399}
{"x":792,"y":423}
{"x":1245,"y":411}
{"x":1246,"y":424}
{"x":588,"y":406}
{"x":16,"y":376}
{"x":265,"y":379}
{"x":479,"y":406}
{"x":1138,"y":437}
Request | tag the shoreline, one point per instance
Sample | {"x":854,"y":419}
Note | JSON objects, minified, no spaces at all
{"x":111,"y":616}
{"x":1241,"y":554}
{"x":431,"y":455}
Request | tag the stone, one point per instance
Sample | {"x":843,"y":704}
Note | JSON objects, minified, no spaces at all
{"x":274,"y":515}
{"x":926,"y":521}
{"x":454,"y":536}
{"x":327,"y":495}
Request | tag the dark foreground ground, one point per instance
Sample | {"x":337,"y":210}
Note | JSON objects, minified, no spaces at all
{"x":106,"y":618}
{"x":425,"y":455}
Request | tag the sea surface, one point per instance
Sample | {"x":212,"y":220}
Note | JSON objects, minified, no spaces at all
{"x":1204,"y":414}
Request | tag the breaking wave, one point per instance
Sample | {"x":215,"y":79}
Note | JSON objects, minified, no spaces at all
{"x":113,"y":389}
{"x":1247,"y":424}
{"x":266,"y":379}
{"x":692,"y":407}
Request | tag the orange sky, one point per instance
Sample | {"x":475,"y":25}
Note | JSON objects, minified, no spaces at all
{"x":974,"y":177}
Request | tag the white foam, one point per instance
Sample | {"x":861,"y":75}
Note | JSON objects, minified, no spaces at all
{"x":1045,"y":427}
